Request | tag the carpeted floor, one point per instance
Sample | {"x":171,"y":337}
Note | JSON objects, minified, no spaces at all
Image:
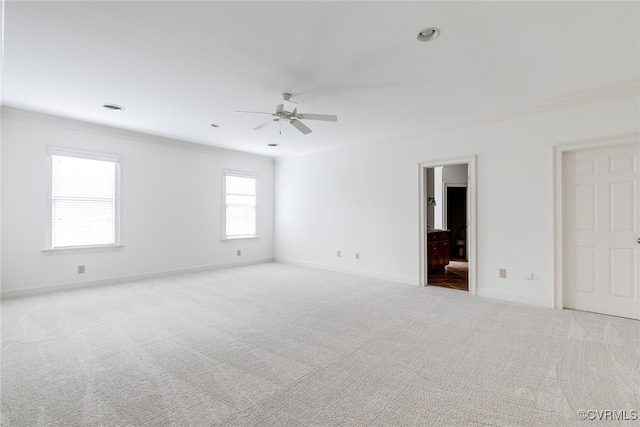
{"x":273,"y":344}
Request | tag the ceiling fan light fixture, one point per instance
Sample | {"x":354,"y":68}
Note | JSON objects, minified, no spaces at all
{"x":428,"y":34}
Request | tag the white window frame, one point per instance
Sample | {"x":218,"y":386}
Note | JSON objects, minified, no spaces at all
{"x":90,"y":155}
{"x":240,"y":174}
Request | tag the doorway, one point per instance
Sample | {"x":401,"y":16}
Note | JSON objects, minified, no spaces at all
{"x":447,"y":220}
{"x":599,"y":229}
{"x":455,"y":204}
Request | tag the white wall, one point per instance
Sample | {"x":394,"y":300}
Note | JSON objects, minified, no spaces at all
{"x":171,"y":204}
{"x":441,"y":175}
{"x":437,"y":194}
{"x":430,"y":188}
{"x":364,"y":198}
{"x":454,"y":174}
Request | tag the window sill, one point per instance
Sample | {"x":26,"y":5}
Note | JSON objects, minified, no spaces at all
{"x":82,"y":249}
{"x":239,"y":239}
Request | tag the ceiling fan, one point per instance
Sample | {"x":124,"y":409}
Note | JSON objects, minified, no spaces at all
{"x":288,"y":110}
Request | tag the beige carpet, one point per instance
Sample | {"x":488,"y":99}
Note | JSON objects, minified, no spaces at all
{"x":273,"y":344}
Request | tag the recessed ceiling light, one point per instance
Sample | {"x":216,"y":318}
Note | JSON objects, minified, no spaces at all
{"x":272,"y":145}
{"x":113,"y":107}
{"x":214,"y":125}
{"x":428,"y":34}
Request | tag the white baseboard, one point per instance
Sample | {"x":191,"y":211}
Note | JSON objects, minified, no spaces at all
{"x":67,"y":286}
{"x":513,"y":297}
{"x":389,"y":277}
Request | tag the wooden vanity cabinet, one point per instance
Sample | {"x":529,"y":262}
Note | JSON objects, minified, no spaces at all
{"x":437,"y":250}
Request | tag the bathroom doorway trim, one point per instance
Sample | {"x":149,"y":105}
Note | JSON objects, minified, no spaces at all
{"x":423,"y":273}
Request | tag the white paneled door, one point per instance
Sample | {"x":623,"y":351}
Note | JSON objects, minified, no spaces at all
{"x":600,"y":223}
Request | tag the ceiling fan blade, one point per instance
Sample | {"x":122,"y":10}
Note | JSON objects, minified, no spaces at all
{"x":325,"y":117}
{"x":254,"y":112}
{"x":264,"y":124}
{"x":289,"y":106}
{"x":300,"y":126}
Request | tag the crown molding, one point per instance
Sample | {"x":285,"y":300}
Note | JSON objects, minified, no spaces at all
{"x":624,"y":89}
{"x":66,"y":123}
{"x":607,"y":93}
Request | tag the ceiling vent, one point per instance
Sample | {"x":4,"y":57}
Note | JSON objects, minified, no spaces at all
{"x":113,"y":107}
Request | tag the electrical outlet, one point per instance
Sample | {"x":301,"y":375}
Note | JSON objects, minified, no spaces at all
{"x":357,"y":255}
{"x":238,"y":252}
{"x":527,"y":276}
{"x":81,"y":269}
{"x":503,"y":273}
{"x":339,"y":254}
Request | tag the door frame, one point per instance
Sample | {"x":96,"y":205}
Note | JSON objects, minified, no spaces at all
{"x":558,"y":201}
{"x":423,"y":267}
{"x":445,"y":202}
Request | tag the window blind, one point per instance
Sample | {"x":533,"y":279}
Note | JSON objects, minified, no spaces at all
{"x":240,"y":210}
{"x":83,"y":202}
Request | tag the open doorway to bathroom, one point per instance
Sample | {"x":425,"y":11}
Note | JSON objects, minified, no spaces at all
{"x":454,"y":275}
{"x":447,"y":194}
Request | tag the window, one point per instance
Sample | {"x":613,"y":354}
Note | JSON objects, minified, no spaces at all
{"x":240,"y":205}
{"x":84,"y":199}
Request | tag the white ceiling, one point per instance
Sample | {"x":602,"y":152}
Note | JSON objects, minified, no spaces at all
{"x":178,"y":66}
